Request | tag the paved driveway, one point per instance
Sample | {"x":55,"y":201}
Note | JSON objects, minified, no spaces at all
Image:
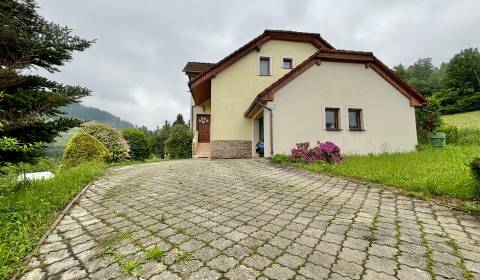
{"x":247,"y":219}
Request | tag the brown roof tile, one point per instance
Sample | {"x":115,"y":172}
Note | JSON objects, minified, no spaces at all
{"x":313,"y":38}
{"x":416,"y":99}
{"x":197,"y":67}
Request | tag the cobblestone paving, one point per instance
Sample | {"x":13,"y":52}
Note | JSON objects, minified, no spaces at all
{"x":247,"y":219}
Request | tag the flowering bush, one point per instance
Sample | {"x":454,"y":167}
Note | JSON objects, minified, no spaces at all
{"x":326,"y":152}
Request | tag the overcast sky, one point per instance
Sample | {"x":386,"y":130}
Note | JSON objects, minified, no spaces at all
{"x":134,"y":69}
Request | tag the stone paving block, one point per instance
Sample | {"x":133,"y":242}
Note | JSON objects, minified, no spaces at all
{"x":406,"y":272}
{"x":242,"y":272}
{"x":279,"y":272}
{"x":313,"y":271}
{"x":346,"y":269}
{"x":354,"y":256}
{"x":384,"y":265}
{"x":257,"y":261}
{"x":222,"y":263}
{"x":290,"y":261}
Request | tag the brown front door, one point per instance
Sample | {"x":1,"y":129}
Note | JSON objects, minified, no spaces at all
{"x":203,"y":127}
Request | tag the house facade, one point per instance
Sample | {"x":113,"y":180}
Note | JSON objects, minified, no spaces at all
{"x":287,"y":87}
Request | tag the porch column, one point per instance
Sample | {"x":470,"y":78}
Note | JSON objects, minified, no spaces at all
{"x":255,"y":136}
{"x":267,"y":137}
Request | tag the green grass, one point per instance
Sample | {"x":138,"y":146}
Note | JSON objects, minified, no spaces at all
{"x":429,"y":171}
{"x":463,"y":120}
{"x":28,"y":209}
{"x":155,"y":254}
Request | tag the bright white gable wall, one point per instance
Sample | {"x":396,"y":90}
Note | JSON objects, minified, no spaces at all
{"x":298,"y":114}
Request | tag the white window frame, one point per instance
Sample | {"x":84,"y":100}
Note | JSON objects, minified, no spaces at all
{"x":270,"y":65}
{"x":362,"y":117}
{"x":340,"y":116}
{"x":287,"y":57}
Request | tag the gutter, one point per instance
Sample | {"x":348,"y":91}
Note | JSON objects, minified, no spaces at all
{"x":271,"y":125}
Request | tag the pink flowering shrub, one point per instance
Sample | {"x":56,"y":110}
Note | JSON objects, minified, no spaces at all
{"x":326,"y":152}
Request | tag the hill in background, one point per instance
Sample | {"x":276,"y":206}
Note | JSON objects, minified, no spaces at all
{"x":82,"y":112}
{"x":94,"y":114}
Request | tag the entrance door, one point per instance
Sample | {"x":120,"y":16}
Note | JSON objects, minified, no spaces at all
{"x":203,"y":127}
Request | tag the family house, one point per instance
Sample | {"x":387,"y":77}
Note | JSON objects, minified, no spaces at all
{"x":286,"y":87}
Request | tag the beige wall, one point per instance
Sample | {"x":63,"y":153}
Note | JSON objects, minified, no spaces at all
{"x":234,"y":88}
{"x":203,"y":108}
{"x":298,"y":114}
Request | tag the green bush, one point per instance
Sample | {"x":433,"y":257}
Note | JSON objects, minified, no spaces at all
{"x":475,"y":165}
{"x":428,"y":119}
{"x":461,"y":136}
{"x":137,"y":141}
{"x":179,"y":142}
{"x":451,"y":133}
{"x":110,"y":137}
{"x":280,"y":158}
{"x":468,"y":136}
{"x":83,"y":147}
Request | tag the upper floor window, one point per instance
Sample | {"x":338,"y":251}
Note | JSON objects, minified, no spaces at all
{"x":355,"y":119}
{"x":264,"y":66}
{"x":287,"y":63}
{"x":332,"y":119}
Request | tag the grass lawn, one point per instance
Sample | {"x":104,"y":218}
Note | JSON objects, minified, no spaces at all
{"x":28,"y":209}
{"x":429,"y":171}
{"x":463,"y":120}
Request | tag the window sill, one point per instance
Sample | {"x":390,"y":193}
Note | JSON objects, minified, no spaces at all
{"x":357,"y":130}
{"x":287,"y":68}
{"x":264,"y":75}
{"x":333,"y":129}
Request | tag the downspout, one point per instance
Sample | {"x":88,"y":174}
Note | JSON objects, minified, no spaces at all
{"x":271,"y":125}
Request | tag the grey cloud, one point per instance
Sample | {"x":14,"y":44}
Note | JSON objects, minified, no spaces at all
{"x":134,"y":69}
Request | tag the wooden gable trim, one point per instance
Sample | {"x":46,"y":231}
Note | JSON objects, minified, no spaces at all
{"x":415,"y":98}
{"x":314,"y":39}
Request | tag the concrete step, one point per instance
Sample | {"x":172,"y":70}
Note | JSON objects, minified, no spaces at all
{"x":203,"y":150}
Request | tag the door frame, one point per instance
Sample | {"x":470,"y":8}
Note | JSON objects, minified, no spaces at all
{"x":209,"y":126}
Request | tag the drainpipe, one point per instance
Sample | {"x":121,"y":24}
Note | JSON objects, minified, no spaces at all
{"x":271,"y":125}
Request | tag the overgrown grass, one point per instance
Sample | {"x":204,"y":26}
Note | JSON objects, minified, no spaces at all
{"x":463,"y":120}
{"x":28,"y":209}
{"x":429,"y":171}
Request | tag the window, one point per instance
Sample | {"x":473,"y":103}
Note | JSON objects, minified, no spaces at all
{"x":264,"y":66}
{"x":331,"y":119}
{"x":287,"y":63}
{"x":355,"y":119}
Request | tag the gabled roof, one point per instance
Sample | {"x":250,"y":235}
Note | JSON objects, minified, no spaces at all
{"x":416,"y":99}
{"x":196,"y":67}
{"x":313,"y":38}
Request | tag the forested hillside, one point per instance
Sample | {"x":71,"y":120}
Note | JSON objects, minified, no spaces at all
{"x":89,"y":113}
{"x":455,"y":84}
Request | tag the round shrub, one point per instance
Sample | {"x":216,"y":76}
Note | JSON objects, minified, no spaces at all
{"x":179,"y":142}
{"x":137,"y":141}
{"x":83,"y":147}
{"x":110,"y":137}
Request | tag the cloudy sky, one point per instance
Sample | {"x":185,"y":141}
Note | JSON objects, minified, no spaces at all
{"x":134,"y":69}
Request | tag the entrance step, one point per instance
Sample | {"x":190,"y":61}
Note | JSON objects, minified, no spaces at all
{"x":203,"y":150}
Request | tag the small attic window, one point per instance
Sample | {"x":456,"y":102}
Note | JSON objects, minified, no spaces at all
{"x":287,"y":63}
{"x":264,"y":66}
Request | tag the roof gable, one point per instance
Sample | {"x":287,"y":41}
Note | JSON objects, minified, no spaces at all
{"x":196,"y":67}
{"x":347,"y":56}
{"x":313,"y":38}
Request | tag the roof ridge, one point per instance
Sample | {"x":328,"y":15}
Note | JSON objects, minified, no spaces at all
{"x":267,"y":34}
{"x":347,"y":55}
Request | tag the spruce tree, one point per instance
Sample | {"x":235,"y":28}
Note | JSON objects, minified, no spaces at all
{"x":29,"y":103}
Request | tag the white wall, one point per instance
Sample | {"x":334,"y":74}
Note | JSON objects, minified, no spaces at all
{"x":298,"y":115}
